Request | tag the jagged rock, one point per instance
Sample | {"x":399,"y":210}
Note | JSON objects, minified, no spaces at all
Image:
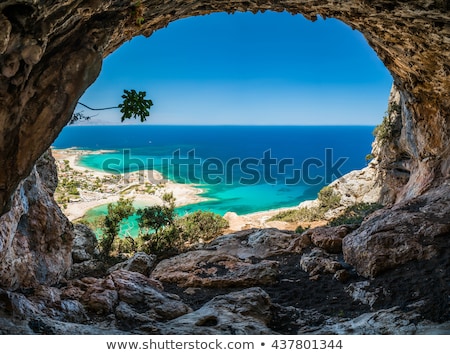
{"x":318,"y":261}
{"x":359,"y":186}
{"x":414,"y":230}
{"x":143,"y":295}
{"x":139,"y":262}
{"x":237,"y":313}
{"x":35,"y":236}
{"x":84,"y":244}
{"x":361,"y":292}
{"x":93,"y":267}
{"x":254,"y":243}
{"x":209,"y":268}
{"x":387,"y":321}
{"x":299,"y":244}
{"x":328,"y":238}
{"x":235,"y":259}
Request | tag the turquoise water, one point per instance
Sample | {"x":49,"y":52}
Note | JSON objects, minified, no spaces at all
{"x":239,"y":168}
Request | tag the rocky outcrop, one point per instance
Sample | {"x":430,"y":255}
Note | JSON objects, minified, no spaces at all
{"x":139,"y":262}
{"x":237,"y":259}
{"x":35,"y":236}
{"x":418,"y":229}
{"x":314,"y":292}
{"x":84,"y":244}
{"x":237,"y":313}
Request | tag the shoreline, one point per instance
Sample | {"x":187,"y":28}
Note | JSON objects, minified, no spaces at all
{"x":145,"y":187}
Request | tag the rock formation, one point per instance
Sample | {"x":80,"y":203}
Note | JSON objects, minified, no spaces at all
{"x":35,"y":236}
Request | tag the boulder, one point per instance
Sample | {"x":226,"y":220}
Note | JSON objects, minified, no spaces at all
{"x":139,"y":262}
{"x":414,"y":230}
{"x":238,"y":313}
{"x":209,"y":268}
{"x":317,"y":262}
{"x":329,"y":238}
{"x":84,"y":244}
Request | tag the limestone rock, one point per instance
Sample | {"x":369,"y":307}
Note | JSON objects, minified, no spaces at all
{"x":236,"y":259}
{"x":254,"y":243}
{"x":141,"y":294}
{"x":209,"y":268}
{"x":413,"y":230}
{"x":84,"y":244}
{"x":92,"y":267}
{"x":237,"y":313}
{"x":359,"y":186}
{"x":360,"y":291}
{"x":139,"y":262}
{"x":35,"y":236}
{"x":387,"y":321}
{"x":329,"y":238}
{"x":317,"y":262}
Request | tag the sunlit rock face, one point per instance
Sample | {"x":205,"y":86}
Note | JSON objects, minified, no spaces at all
{"x":35,"y":236}
{"x":51,"y":51}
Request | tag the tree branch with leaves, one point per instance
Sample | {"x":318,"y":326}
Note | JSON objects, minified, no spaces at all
{"x":134,"y":105}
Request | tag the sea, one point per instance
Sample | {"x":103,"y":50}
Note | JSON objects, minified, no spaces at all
{"x":241,"y":169}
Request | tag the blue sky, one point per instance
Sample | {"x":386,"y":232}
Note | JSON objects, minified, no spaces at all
{"x":246,"y":69}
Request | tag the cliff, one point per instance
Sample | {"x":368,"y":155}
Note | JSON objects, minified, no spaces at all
{"x":35,"y":236}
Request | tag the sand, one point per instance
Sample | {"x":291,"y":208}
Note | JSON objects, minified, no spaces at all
{"x":113,"y":187}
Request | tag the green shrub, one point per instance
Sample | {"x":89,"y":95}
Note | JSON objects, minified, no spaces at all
{"x":328,"y":198}
{"x":163,"y":233}
{"x":301,"y":229}
{"x":355,"y":214}
{"x":203,"y":225}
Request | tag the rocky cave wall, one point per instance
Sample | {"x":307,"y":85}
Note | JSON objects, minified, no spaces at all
{"x":51,"y":51}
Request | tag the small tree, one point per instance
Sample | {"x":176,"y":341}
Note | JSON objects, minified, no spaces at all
{"x":117,"y":212}
{"x":203,"y":225}
{"x":153,"y":218}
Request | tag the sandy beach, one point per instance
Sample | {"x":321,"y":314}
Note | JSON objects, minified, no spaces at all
{"x":97,"y":188}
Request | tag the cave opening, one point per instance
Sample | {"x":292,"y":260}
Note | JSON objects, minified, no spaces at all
{"x":247,"y":76}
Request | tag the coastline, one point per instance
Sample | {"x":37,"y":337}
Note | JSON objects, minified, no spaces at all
{"x":145,"y":187}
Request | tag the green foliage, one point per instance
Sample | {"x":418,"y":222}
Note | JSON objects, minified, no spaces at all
{"x":386,"y":130}
{"x":171,"y":234}
{"x":203,"y":225}
{"x":164,"y":242}
{"x":370,"y":157}
{"x":153,"y":218}
{"x":328,"y":200}
{"x":355,"y":214}
{"x":117,"y":212}
{"x":135,"y":105}
{"x":137,"y":12}
{"x":300,"y":215}
{"x":301,"y":229}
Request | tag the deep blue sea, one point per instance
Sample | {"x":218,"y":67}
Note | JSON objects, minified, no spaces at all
{"x":243,"y":169}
